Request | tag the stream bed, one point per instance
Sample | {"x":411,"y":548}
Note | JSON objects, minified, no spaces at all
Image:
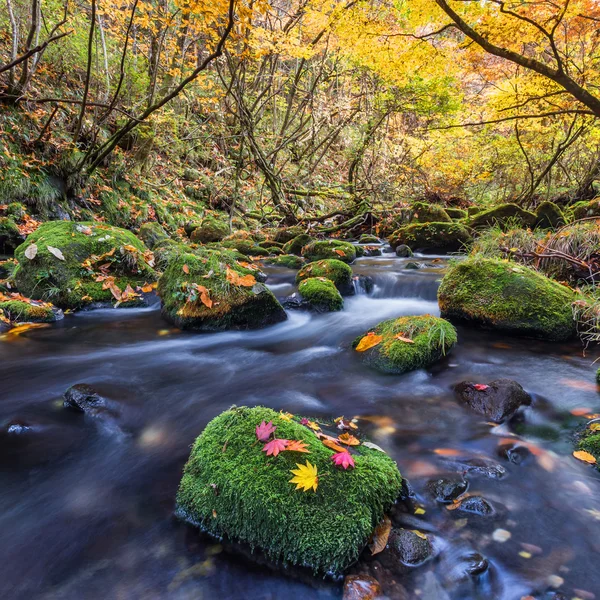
{"x":86,"y":505}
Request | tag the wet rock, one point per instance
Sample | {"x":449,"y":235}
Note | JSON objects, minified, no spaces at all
{"x":361,"y":587}
{"x":18,"y":428}
{"x":475,"y":564}
{"x":515,"y":453}
{"x":364,"y":283}
{"x":82,"y":397}
{"x":477,"y":505}
{"x":499,"y":400}
{"x":461,"y":564}
{"x":479,"y":466}
{"x":413,"y":266}
{"x":409,"y":548}
{"x":447,"y":490}
{"x":321,"y":294}
{"x":403,"y":251}
{"x":371,"y":251}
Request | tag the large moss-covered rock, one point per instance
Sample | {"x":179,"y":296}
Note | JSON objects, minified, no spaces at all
{"x":246,"y":247}
{"x":511,"y":214}
{"x":321,"y":294}
{"x":320,"y":250}
{"x":549,"y":216}
{"x":71,"y":257}
{"x":19,"y":311}
{"x":291,"y":261}
{"x":431,"y":237}
{"x":508,"y":297}
{"x":210,"y":291}
{"x":295,"y":245}
{"x":335,"y":270}
{"x":10,"y":237}
{"x":456,"y":213}
{"x":210,"y":229}
{"x":585,"y":209}
{"x":152,"y":234}
{"x":423,"y":212}
{"x":231,"y":488}
{"x":406,"y":343}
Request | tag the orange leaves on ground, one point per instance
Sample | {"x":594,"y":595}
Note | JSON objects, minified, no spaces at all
{"x":147,"y":287}
{"x":297,"y":446}
{"x":204,"y":295}
{"x":380,"y":535}
{"x":241,"y":280}
{"x":584,"y":456}
{"x":345,"y":424}
{"x":349,"y":439}
{"x":311,"y":424}
{"x":274,"y":447}
{"x":339,"y":252}
{"x":306,"y":477}
{"x":369,"y":341}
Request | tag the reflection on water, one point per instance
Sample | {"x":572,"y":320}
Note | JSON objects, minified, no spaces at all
{"x":86,"y":510}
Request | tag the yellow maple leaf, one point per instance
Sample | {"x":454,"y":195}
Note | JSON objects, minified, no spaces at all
{"x":305,"y":477}
{"x":368,"y":341}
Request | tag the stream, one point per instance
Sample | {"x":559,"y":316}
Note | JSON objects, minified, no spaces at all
{"x":86,"y":505}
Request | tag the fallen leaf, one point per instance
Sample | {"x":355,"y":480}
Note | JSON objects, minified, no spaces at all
{"x":368,"y":341}
{"x":56,"y":252}
{"x":31,"y":251}
{"x":480,"y":387}
{"x":305,"y":477}
{"x":339,"y":252}
{"x":297,"y":446}
{"x":286,"y":416}
{"x":584,"y":456}
{"x":237,"y":279}
{"x":380,"y":536}
{"x":343,"y":459}
{"x":401,"y":338}
{"x":447,"y":452}
{"x":349,"y":439}
{"x":594,"y":426}
{"x":333,"y":445}
{"x":204,"y":295}
{"x":264,"y":431}
{"x":274,"y":447}
{"x":185,"y":269}
{"x":19,"y":329}
{"x":580,"y":412}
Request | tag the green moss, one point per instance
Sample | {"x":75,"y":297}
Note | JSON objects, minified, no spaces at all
{"x":432,"y":338}
{"x":229,"y":487}
{"x":152,"y":234}
{"x":591,"y":444}
{"x":598,"y":376}
{"x":504,"y":214}
{"x":291,"y":261}
{"x":10,"y":237}
{"x":16,"y":210}
{"x":508,"y":297}
{"x":360,"y":251}
{"x":474,"y":210}
{"x":210,"y":229}
{"x":245,"y":247}
{"x":456,"y":213}
{"x":295,"y":245}
{"x":234,"y":306}
{"x":286,"y":234}
{"x":71,"y":283}
{"x":583,"y":209}
{"x":549,"y":216}
{"x":164,"y":250}
{"x":274,"y":250}
{"x":440,"y":237}
{"x":366,"y":238}
{"x":321,"y":294}
{"x":424,"y":212}
{"x":23,"y":312}
{"x":335,"y":270}
{"x":329,"y":249}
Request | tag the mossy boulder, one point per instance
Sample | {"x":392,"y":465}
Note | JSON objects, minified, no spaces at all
{"x":73,"y":262}
{"x":152,"y":234}
{"x":585,"y":209}
{"x":10,"y":237}
{"x":335,"y":270}
{"x":321,"y":294}
{"x":508,"y":297}
{"x":549,"y":216}
{"x":504,"y":214}
{"x":589,"y":441}
{"x":432,"y":237}
{"x":367,"y":238}
{"x":407,"y":343}
{"x":210,"y":229}
{"x":423,"y":212}
{"x":208,"y":290}
{"x":231,"y":488}
{"x":246,"y":247}
{"x":286,"y":234}
{"x":165,"y":250}
{"x":19,"y":311}
{"x":320,"y":250}
{"x":295,"y":245}
{"x":291,"y":261}
{"x":456,"y":213}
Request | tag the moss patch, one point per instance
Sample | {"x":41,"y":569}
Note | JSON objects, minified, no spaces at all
{"x":152,"y":234}
{"x":210,"y":229}
{"x":234,"y":306}
{"x":440,"y":237}
{"x":10,"y":237}
{"x":335,"y":270}
{"x":432,"y":338}
{"x":87,"y":246}
{"x":424,"y":212}
{"x":229,"y":487}
{"x":321,"y":250}
{"x":295,"y":245}
{"x":321,"y":294}
{"x":291,"y":261}
{"x":502,"y":295}
{"x":456,"y":213}
{"x":549,"y":216}
{"x":505,"y":214}
{"x":18,"y":311}
{"x":366,"y":238}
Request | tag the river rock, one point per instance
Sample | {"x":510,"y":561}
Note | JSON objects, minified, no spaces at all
{"x":507,"y":297}
{"x":432,"y":237}
{"x":406,"y":343}
{"x":361,"y":587}
{"x":230,"y":487}
{"x":498,"y":400}
{"x":447,"y":490}
{"x":321,"y":294}
{"x":477,"y":505}
{"x":335,"y":270}
{"x":82,"y":397}
{"x":502,"y":215}
{"x":403,"y":251}
{"x":209,"y":229}
{"x":409,"y":548}
{"x":320,"y":250}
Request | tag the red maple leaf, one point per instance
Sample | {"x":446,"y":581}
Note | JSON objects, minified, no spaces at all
{"x":264,"y":431}
{"x":343,"y":459}
{"x":480,"y":387}
{"x":274,"y":447}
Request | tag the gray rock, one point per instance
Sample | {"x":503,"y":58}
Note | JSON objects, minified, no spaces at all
{"x":409,"y":548}
{"x":403,"y":251}
{"x":477,"y":505}
{"x":447,"y":490}
{"x":83,"y":398}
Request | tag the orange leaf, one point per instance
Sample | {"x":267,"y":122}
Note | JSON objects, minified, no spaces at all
{"x":401,"y":338}
{"x":447,"y":452}
{"x":349,"y":439}
{"x":185,"y":269}
{"x":237,"y":279}
{"x":368,"y":341}
{"x":339,"y":252}
{"x":204,"y":296}
{"x":297,"y":446}
{"x":580,"y":412}
{"x":333,"y":445}
{"x":380,"y":535}
{"x":585,"y":457}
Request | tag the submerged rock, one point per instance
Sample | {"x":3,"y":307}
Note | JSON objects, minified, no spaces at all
{"x":447,"y":490}
{"x":508,"y":297}
{"x":320,"y":250}
{"x":321,"y":294}
{"x":82,"y":397}
{"x":211,"y":291}
{"x":432,"y":237}
{"x":80,"y":264}
{"x":410,"y":548}
{"x":361,"y":587}
{"x":335,"y":270}
{"x":406,"y":343}
{"x":230,"y":487}
{"x":498,"y":400}
{"x":477,"y":505}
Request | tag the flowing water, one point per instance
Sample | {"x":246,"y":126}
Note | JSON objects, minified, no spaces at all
{"x":86,"y":504}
